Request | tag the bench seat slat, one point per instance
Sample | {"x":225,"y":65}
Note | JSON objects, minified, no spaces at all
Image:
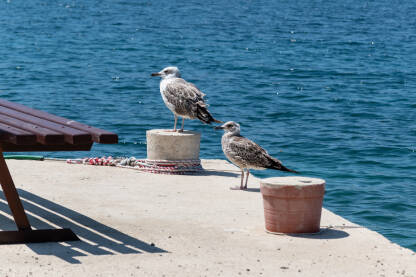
{"x":16,"y":136}
{"x":98,"y":135}
{"x":72,"y":136}
{"x":10,"y":147}
{"x":43,"y":135}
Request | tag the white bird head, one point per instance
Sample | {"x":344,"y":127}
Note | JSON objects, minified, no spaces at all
{"x":168,"y":72}
{"x":230,"y":127}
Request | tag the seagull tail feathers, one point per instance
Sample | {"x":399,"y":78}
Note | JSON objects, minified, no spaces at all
{"x":203,"y":114}
{"x":278,"y":166}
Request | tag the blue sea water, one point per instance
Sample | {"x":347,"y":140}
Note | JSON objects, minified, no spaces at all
{"x":328,"y":87}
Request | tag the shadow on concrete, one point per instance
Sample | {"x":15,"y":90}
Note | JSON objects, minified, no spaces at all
{"x":253,"y":189}
{"x":324,"y":233}
{"x":96,"y":238}
{"x":216,"y":173}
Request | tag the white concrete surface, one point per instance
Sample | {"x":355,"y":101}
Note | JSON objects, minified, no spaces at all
{"x":140,"y":224}
{"x":168,"y":145}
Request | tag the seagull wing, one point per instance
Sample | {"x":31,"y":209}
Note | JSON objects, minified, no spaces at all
{"x":185,"y":97}
{"x":250,"y":153}
{"x":184,"y":90}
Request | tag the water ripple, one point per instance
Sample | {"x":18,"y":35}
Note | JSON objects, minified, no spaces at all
{"x":329,"y":93}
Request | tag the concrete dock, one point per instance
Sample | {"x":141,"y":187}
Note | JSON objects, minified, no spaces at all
{"x":141,"y":224}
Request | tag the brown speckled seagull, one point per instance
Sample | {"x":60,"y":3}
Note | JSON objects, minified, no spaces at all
{"x":184,"y":99}
{"x":245,"y":153}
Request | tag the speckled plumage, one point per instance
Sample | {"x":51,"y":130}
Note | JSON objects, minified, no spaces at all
{"x":181,"y":97}
{"x":184,"y":99}
{"x":245,"y":153}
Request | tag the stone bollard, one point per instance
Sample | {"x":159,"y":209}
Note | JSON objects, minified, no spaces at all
{"x":292,"y":204}
{"x":168,"y":145}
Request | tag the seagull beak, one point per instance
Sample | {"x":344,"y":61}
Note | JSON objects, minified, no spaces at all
{"x":156,"y":74}
{"x":218,"y":127}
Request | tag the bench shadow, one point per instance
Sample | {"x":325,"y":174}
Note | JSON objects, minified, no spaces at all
{"x":324,"y":233}
{"x":96,"y":238}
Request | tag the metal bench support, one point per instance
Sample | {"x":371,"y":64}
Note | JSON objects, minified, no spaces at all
{"x":25,"y":233}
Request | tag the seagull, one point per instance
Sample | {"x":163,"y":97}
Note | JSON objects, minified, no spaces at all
{"x":183,"y":98}
{"x":245,"y":153}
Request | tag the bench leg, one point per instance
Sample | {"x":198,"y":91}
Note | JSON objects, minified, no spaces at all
{"x":12,"y":197}
{"x":25,"y":234}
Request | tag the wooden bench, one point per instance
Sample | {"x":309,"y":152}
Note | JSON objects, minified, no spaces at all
{"x":23,"y":129}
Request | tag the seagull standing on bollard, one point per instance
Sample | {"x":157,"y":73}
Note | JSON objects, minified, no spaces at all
{"x":184,"y":99}
{"x":245,"y":153}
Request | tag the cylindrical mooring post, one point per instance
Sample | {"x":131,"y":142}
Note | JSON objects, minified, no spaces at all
{"x":292,"y":204}
{"x":168,"y":145}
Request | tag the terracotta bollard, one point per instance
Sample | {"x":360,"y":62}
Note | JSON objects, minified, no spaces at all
{"x":292,"y":204}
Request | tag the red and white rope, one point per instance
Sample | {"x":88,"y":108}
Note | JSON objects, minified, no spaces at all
{"x":179,"y":167}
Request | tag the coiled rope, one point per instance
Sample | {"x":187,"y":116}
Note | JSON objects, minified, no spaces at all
{"x":177,"y":167}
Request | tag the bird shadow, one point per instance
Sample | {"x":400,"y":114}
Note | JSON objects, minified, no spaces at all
{"x":206,"y":172}
{"x":253,"y":189}
{"x":324,"y":233}
{"x":96,"y":238}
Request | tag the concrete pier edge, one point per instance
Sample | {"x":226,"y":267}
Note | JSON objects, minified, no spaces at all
{"x":141,"y":224}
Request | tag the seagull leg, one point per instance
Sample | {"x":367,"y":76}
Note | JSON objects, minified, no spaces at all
{"x":181,"y":129}
{"x":176,"y":120}
{"x":248,"y":173}
{"x":242,"y":180}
